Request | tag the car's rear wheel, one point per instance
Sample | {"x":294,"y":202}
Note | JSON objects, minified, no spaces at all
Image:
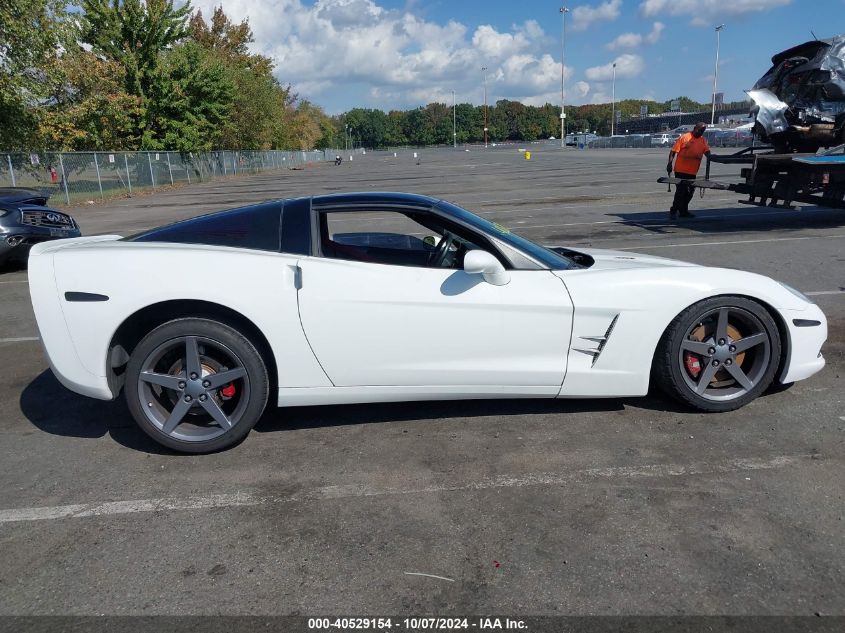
{"x":196,"y":385}
{"x":719,"y":354}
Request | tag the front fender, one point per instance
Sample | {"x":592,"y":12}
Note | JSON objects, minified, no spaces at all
{"x":640,"y":303}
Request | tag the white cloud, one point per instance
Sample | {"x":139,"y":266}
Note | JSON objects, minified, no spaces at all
{"x":654,"y":35}
{"x":494,"y":44}
{"x":704,"y":12}
{"x":399,"y":58}
{"x":627,"y":66}
{"x":634,"y":40}
{"x":626,"y":40}
{"x":584,"y":15}
{"x":582,"y":88}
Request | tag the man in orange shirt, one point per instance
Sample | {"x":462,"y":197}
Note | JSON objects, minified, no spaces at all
{"x":689,"y":148}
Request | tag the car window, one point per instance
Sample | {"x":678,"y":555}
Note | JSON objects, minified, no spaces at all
{"x":543,"y":255}
{"x":254,"y":227}
{"x":396,"y":238}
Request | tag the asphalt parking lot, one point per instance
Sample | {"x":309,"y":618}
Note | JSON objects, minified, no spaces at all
{"x":621,"y":506}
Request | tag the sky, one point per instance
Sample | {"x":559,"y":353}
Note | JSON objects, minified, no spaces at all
{"x":400,"y":54}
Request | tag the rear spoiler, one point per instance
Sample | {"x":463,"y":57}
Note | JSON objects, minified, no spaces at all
{"x":72,"y":242}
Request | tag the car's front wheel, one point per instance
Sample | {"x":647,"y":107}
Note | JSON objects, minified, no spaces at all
{"x":719,"y":354}
{"x":196,"y":385}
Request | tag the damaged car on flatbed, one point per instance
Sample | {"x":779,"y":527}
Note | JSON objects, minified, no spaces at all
{"x":800,"y":101}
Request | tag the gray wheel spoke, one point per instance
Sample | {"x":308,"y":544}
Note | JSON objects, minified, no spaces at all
{"x":176,"y":416}
{"x":750,"y":341}
{"x":705,"y":378}
{"x":216,"y":412}
{"x":722,"y":324}
{"x":225,"y":377}
{"x":696,"y":347}
{"x":163,"y":380}
{"x":192,"y":356}
{"x":739,"y":376}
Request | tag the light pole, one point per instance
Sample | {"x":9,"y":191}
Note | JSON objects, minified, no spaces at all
{"x":613,"y":101}
{"x":563,"y":12}
{"x":454,"y":120}
{"x":484,"y":70}
{"x":346,"y":137}
{"x":716,"y":74}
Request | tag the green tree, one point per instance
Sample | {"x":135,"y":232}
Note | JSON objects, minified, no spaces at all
{"x":189,"y":103}
{"x":469,"y":122}
{"x":263,"y":113}
{"x":87,"y":108}
{"x":418,"y":128}
{"x":28,"y":39}
{"x":134,"y":33}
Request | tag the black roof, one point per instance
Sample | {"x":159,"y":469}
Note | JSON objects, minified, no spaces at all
{"x":375,"y":197}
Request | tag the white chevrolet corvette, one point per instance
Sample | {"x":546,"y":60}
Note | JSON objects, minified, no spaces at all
{"x":385,"y":297}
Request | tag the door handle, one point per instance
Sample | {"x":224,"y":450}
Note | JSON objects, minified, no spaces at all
{"x":297,"y":277}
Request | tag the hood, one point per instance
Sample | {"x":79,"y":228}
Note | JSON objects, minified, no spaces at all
{"x":603,"y":259}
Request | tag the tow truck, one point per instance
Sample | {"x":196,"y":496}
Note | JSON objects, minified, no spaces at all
{"x":779,"y":180}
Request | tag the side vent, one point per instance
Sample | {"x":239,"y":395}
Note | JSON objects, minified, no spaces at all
{"x":600,"y":342}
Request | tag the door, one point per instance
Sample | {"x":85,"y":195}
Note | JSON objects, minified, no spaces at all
{"x":423,"y":321}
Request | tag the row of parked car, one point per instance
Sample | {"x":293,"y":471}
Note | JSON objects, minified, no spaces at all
{"x":716,"y":137}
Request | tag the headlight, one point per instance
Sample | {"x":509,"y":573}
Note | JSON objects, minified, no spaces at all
{"x":4,"y":212}
{"x":798,"y":294}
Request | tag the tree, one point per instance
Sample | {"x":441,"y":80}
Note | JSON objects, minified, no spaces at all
{"x":189,"y":104}
{"x":134,"y":33}
{"x":28,"y":37}
{"x":418,"y":128}
{"x":469,"y":123}
{"x":87,"y":108}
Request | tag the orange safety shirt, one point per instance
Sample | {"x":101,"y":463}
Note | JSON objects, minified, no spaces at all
{"x":689,"y":150}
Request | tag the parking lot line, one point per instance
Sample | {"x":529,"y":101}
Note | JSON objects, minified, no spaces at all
{"x":819,"y":293}
{"x":324,"y":493}
{"x":20,"y":339}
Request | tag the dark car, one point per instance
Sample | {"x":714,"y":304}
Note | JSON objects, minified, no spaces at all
{"x":800,"y":101}
{"x":25,"y":219}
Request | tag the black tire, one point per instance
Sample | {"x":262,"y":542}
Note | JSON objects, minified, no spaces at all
{"x":680,"y":352}
{"x":210,"y":416}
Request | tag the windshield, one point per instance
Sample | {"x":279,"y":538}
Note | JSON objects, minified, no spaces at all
{"x":543,"y":255}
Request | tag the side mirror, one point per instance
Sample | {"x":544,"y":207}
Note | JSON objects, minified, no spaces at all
{"x":483,"y":263}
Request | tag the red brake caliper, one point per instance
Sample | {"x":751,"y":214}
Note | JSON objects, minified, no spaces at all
{"x":693,"y":364}
{"x":228,"y":391}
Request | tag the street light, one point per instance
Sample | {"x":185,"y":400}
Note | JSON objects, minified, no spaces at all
{"x":613,"y":101}
{"x":716,"y":74}
{"x":454,"y":129}
{"x":563,"y":12}
{"x":484,"y":70}
{"x":346,"y":137}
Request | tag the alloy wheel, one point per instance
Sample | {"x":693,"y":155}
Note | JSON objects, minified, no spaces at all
{"x":193,"y":388}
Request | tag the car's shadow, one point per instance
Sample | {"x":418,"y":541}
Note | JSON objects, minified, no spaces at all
{"x":12,"y":266}
{"x":713,"y":221}
{"x":739,"y":219}
{"x":58,"y":411}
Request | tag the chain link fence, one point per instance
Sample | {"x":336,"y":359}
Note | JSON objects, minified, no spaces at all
{"x":77,"y":177}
